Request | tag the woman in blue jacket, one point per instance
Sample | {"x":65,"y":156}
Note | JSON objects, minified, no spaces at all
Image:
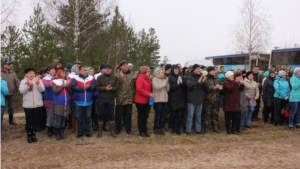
{"x":281,"y":95}
{"x":295,"y":99}
{"x":4,"y":92}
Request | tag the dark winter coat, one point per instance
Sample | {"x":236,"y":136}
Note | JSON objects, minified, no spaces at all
{"x":102,"y":82}
{"x":268,"y":92}
{"x":177,"y":92}
{"x":231,"y":98}
{"x":195,"y":90}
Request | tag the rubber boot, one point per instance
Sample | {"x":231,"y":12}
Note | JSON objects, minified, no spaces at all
{"x":33,"y":137}
{"x":73,"y":124}
{"x":29,"y":138}
{"x":57,"y":131}
{"x":112,"y":128}
{"x":205,"y":128}
{"x":50,"y":130}
{"x":216,"y":128}
{"x":104,"y":126}
{"x":96,"y":123}
{"x":100,"y":128}
{"x":11,"y":119}
{"x":61,"y":133}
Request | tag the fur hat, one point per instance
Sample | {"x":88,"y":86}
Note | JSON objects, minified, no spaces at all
{"x":282,"y":73}
{"x":228,"y":74}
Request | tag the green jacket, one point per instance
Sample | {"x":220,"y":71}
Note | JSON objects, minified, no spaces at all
{"x":212,"y":95}
{"x":126,"y":91}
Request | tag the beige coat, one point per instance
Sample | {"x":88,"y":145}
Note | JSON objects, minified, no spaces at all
{"x":251,"y":90}
{"x":160,"y":89}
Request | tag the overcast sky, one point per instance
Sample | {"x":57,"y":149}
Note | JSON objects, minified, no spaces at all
{"x":194,"y":29}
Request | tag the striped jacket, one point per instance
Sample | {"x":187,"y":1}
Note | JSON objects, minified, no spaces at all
{"x":60,"y":93}
{"x":83,"y":97}
{"x":48,"y":94}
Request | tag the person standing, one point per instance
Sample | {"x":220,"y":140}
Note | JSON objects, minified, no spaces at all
{"x":195,"y":98}
{"x":48,"y":98}
{"x":252,"y":93}
{"x":72,"y":117}
{"x":13,"y":83}
{"x":4,"y":92}
{"x":295,"y":99}
{"x":268,"y":97}
{"x":31,"y":87}
{"x":61,"y":100}
{"x":141,"y":99}
{"x":83,"y":86}
{"x":125,"y":96}
{"x":176,"y":98}
{"x":212,"y":100}
{"x":232,"y":88}
{"x":160,"y":87}
{"x":281,"y":96}
{"x":107,"y":85}
{"x":258,"y":79}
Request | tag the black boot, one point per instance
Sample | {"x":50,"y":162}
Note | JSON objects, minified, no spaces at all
{"x":33,"y":137}
{"x":29,"y":138}
{"x":104,"y":127}
{"x":50,"y":130}
{"x":57,"y":131}
{"x":100,"y":128}
{"x":11,"y":119}
{"x":112,"y":128}
{"x":61,"y":133}
{"x":216,"y":128}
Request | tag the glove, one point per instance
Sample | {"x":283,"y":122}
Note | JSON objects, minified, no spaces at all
{"x":179,"y":81}
{"x":287,"y":98}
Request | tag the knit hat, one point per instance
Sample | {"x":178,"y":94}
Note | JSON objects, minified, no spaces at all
{"x":228,"y":74}
{"x":69,"y":66}
{"x":221,"y":77}
{"x":249,"y":73}
{"x":195,"y":66}
{"x":5,"y":61}
{"x":144,"y":69}
{"x":58,"y":73}
{"x":101,"y":66}
{"x":297,"y":70}
{"x":266,"y":74}
{"x":168,"y":66}
{"x":244,"y":72}
{"x":282,"y":73}
{"x":130,"y":64}
{"x":210,"y":68}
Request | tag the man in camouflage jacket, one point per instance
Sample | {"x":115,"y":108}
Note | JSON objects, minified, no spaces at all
{"x":212,"y":100}
{"x":125,"y":96}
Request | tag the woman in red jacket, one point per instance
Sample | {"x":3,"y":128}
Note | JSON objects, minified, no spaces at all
{"x":142,"y":95}
{"x":232,"y":87}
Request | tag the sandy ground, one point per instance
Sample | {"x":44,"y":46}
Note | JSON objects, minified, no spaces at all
{"x":262,"y":147}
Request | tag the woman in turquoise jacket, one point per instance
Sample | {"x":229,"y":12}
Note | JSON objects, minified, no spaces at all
{"x":4,"y":92}
{"x":281,"y":95}
{"x":295,"y":99}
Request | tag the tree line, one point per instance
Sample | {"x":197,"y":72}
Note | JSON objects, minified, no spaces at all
{"x":79,"y":30}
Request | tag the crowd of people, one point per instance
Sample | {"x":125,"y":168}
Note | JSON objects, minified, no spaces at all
{"x":78,"y":96}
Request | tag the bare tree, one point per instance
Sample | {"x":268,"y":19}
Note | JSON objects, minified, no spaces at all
{"x":252,"y":32}
{"x":8,"y":11}
{"x":80,"y":18}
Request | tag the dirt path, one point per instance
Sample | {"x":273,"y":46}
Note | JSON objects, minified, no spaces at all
{"x":170,"y":151}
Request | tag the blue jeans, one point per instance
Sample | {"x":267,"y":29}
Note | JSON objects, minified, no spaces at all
{"x":193,"y":108}
{"x":60,"y":122}
{"x":246,"y":117}
{"x":2,"y":113}
{"x":160,"y":109}
{"x":295,"y":111}
{"x":84,"y":119}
